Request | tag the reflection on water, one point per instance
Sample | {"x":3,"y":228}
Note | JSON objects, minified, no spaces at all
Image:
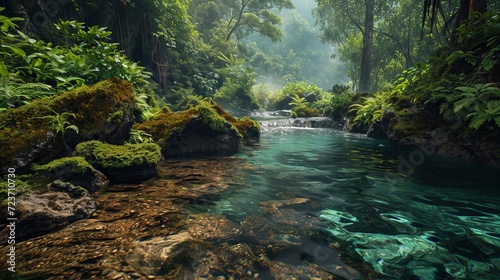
{"x":441,"y":221}
{"x":303,"y":204}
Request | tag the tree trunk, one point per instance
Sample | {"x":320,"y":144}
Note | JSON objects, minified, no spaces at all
{"x":366,"y":56}
{"x":464,"y":13}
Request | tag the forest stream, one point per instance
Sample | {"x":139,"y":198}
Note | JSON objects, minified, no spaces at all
{"x":303,"y":203}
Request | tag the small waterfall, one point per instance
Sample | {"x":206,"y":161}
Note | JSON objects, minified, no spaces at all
{"x":268,"y":124}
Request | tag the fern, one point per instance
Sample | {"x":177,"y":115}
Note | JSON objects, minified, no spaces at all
{"x":60,"y":124}
{"x":480,"y":103}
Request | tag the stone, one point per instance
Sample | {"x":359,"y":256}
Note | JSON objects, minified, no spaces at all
{"x":74,"y":192}
{"x":39,"y":213}
{"x":104,"y":111}
{"x":206,"y":128}
{"x":381,"y":129}
{"x":129,"y":163}
{"x":77,"y":171}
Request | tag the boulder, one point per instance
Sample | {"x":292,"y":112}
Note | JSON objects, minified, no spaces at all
{"x":381,"y":129}
{"x":77,"y":171}
{"x":129,"y":163}
{"x":206,"y":128}
{"x":197,"y":136}
{"x":40,"y":213}
{"x":29,"y":133}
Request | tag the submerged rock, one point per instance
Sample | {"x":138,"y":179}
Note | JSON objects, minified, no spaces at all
{"x":129,"y":163}
{"x":39,"y":213}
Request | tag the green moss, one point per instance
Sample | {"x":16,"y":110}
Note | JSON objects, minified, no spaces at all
{"x":77,"y":164}
{"x":116,"y":116}
{"x":163,"y":124}
{"x":111,"y":156}
{"x":416,"y":122}
{"x":247,"y":126}
{"x":22,"y":129}
{"x":26,"y":184}
{"x":304,"y":111}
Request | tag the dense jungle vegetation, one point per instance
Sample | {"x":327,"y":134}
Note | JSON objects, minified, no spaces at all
{"x":411,"y":56}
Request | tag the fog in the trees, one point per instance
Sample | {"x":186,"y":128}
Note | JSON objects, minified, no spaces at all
{"x":299,"y":56}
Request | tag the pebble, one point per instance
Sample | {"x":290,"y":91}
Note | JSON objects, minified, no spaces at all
{"x":221,"y":278}
{"x":249,"y":273}
{"x":120,"y":276}
{"x":256,"y":276}
{"x":135,"y":275}
{"x":106,"y":272}
{"x":127,"y":269}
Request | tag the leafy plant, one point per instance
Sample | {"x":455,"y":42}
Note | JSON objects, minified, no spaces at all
{"x":298,"y":101}
{"x":480,"y":103}
{"x":236,"y":92}
{"x":372,"y":108}
{"x":139,"y":137}
{"x":60,"y":124}
{"x":16,"y":92}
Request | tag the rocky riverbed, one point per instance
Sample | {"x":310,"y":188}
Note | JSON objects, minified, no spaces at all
{"x":143,"y":231}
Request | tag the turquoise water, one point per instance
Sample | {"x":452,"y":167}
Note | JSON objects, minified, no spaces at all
{"x":441,"y":221}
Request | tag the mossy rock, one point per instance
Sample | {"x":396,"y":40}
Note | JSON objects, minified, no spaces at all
{"x":77,"y":171}
{"x":204,"y":128}
{"x":248,"y":128}
{"x":304,"y":111}
{"x":129,"y":163}
{"x":105,"y":111}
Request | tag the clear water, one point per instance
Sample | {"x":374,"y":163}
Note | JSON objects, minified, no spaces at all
{"x":441,"y":221}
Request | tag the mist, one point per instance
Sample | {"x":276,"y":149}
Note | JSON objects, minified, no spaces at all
{"x":303,"y":55}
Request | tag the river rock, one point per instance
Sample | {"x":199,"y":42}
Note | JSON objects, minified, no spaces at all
{"x":129,"y":163}
{"x":39,"y":213}
{"x":77,"y":171}
{"x":105,"y":111}
{"x":199,"y":137}
{"x":206,"y":128}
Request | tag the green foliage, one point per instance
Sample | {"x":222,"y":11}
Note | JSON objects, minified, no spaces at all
{"x":298,"y":101}
{"x":240,"y":18}
{"x":262,"y":94}
{"x":236,"y":92}
{"x":110,"y":156}
{"x":296,"y":93}
{"x":480,"y":104}
{"x":16,"y":92}
{"x":372,"y":108}
{"x":33,"y":68}
{"x":339,"y":101}
{"x":139,"y":137}
{"x":60,"y":124}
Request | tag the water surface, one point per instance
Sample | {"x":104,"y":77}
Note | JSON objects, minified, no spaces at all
{"x":441,"y":221}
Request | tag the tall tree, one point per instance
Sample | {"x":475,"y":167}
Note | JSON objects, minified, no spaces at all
{"x":366,"y":56}
{"x":240,"y":18}
{"x":434,"y":7}
{"x":341,"y":21}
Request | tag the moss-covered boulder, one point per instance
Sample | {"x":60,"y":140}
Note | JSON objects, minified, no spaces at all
{"x":39,"y":131}
{"x":206,"y":128}
{"x":77,"y":171}
{"x":129,"y":163}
